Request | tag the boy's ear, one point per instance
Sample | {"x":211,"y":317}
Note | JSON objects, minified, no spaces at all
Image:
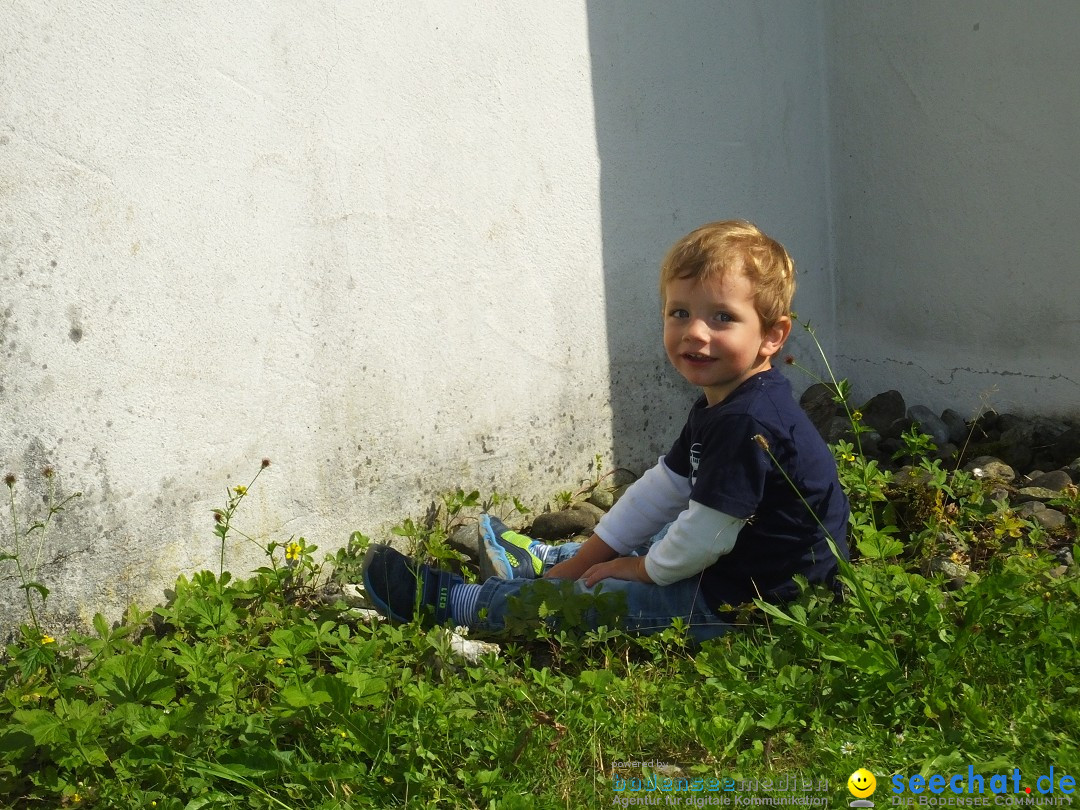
{"x":775,"y":337}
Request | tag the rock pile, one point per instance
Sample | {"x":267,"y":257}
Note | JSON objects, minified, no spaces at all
{"x":1030,"y":460}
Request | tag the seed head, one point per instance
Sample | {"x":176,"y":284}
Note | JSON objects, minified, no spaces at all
{"x":48,"y":472}
{"x":790,"y":359}
{"x":265,"y":463}
{"x":9,"y":479}
{"x":763,"y":443}
{"x":217,"y":516}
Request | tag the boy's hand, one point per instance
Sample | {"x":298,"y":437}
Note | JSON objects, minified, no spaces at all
{"x":593,"y":551}
{"x":631,"y":569}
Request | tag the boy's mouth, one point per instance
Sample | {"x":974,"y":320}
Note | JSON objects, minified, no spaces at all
{"x":696,"y":357}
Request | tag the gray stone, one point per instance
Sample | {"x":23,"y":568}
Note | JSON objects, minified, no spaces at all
{"x":889,"y":447}
{"x":1015,"y":444}
{"x":1007,"y":421}
{"x":1042,"y":461}
{"x":1050,"y":519}
{"x":1048,"y":431}
{"x":1056,"y":480}
{"x":1025,"y":494}
{"x":989,"y":468}
{"x":894,"y":430}
{"x":1026,"y":510}
{"x":957,"y":425}
{"x":870,"y":443}
{"x":465,"y":539}
{"x":563,"y":524}
{"x":354,"y":596}
{"x":1067,"y":446}
{"x":839,"y":427}
{"x":622,"y":478}
{"x":929,"y":423}
{"x":592,"y":509}
{"x":880,"y":411}
{"x":913,"y":476}
{"x":946,"y":452}
{"x":819,"y":402}
{"x":957,"y":573}
{"x":983,"y":426}
{"x":602,"y":498}
{"x":1074,"y":469}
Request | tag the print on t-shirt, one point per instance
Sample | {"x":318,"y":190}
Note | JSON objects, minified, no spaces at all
{"x":695,"y":461}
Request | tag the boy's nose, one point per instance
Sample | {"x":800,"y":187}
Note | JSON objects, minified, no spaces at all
{"x":696,"y":330}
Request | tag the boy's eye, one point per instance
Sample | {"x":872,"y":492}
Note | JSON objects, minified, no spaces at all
{"x":679,"y":313}
{"x":724,"y":317}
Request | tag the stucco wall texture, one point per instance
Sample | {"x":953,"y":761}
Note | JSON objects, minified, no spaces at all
{"x":359,"y":240}
{"x":955,"y":134}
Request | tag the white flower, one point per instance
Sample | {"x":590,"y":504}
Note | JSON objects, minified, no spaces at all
{"x":847,"y":749}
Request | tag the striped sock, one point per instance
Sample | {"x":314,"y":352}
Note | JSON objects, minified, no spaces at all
{"x":541,"y":550}
{"x":463,"y":599}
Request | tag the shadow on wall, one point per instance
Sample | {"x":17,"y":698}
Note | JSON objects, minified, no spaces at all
{"x":704,"y":111}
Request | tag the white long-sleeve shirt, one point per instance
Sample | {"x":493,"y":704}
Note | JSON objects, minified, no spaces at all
{"x":698,"y":535}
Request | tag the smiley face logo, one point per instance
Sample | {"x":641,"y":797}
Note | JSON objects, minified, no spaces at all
{"x":861,"y":783}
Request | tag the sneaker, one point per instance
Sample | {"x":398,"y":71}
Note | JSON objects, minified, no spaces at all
{"x":505,"y":554}
{"x":398,"y":586}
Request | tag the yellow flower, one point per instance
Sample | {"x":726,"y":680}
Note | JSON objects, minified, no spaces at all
{"x":48,"y":640}
{"x":849,"y":457}
{"x":856,"y":415}
{"x":281,"y":660}
{"x":241,"y":490}
{"x":292,"y":551}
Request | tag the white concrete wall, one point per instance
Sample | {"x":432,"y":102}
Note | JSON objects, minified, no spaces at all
{"x":956,"y":169}
{"x":362,"y":240}
{"x":382,"y":244}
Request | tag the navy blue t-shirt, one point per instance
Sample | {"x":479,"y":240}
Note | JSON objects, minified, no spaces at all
{"x":730,"y":472}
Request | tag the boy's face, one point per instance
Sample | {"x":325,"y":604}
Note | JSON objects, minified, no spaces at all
{"x":713,"y":334}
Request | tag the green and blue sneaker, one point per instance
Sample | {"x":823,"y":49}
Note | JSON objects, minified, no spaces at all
{"x":504,"y":553}
{"x":400,"y":588}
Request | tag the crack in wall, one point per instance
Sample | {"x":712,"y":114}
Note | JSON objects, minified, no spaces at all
{"x":958,"y":369}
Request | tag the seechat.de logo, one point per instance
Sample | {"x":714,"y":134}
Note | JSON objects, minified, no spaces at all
{"x":862,"y":785}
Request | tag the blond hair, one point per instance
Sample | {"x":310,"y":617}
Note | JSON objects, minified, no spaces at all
{"x":712,"y":250}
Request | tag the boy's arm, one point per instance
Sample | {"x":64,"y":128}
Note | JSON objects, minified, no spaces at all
{"x":653,"y":500}
{"x":649,"y":504}
{"x":592,"y":551}
{"x":695,"y":541}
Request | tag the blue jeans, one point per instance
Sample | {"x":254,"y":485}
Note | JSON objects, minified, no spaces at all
{"x":648,"y":608}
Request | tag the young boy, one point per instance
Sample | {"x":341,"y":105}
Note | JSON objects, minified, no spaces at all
{"x":736,"y":529}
